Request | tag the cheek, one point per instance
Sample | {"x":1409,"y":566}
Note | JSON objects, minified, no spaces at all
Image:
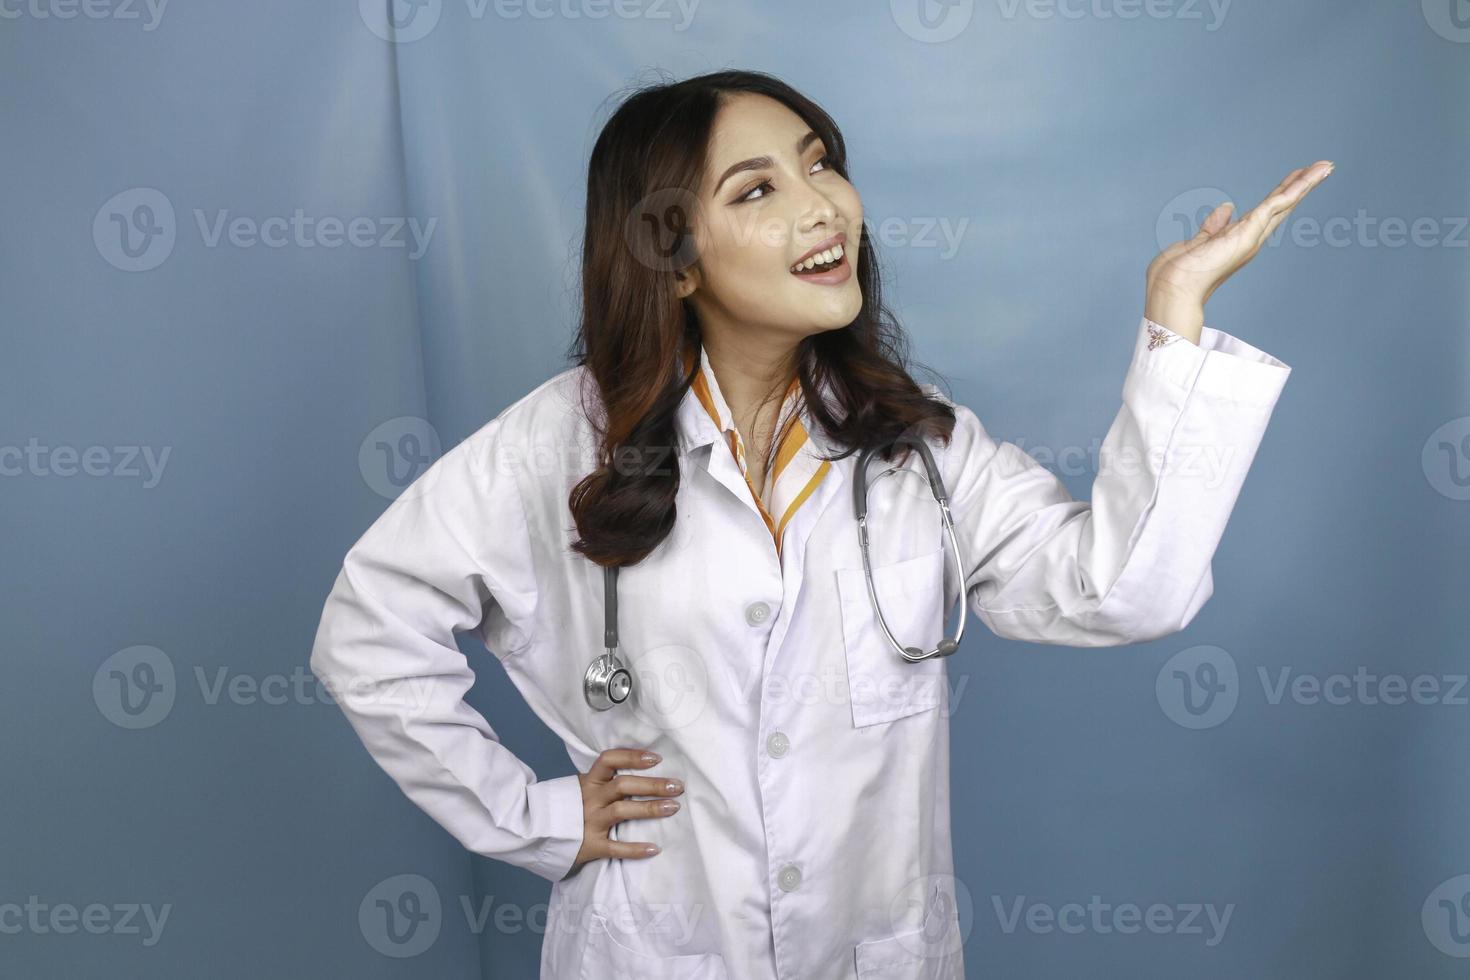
{"x":744,"y":263}
{"x":854,"y":213}
{"x":737,"y":284}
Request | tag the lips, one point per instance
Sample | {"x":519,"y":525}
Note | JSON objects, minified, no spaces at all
{"x":827,"y":253}
{"x":833,"y":274}
{"x":838,"y":260}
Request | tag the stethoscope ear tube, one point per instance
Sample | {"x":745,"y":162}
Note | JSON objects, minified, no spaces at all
{"x":941,"y":497}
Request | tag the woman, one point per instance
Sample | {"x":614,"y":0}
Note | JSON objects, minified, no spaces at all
{"x":793,"y":817}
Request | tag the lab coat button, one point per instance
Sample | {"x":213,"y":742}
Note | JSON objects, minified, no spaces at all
{"x":777,"y":745}
{"x":757,"y":613}
{"x":790,"y":878}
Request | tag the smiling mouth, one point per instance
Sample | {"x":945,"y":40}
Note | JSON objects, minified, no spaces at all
{"x":826,"y":261}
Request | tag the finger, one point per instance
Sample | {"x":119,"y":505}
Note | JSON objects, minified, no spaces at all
{"x":1275,"y":222}
{"x":1254,"y":212}
{"x":641,"y":809}
{"x":1288,"y":194}
{"x":609,"y":848}
{"x":1309,"y":178}
{"x":1284,"y":200}
{"x":1215,"y":220}
{"x":1276,"y":192}
{"x":647,"y":785}
{"x":1290,"y":178}
{"x":605,"y":767}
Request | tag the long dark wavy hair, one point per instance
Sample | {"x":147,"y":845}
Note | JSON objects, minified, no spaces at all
{"x":643,"y":181}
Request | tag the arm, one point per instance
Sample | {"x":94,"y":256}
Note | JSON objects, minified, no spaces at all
{"x":1134,"y":563}
{"x":450,"y":554}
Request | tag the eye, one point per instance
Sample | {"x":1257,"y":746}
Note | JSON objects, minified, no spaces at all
{"x":825,"y":159}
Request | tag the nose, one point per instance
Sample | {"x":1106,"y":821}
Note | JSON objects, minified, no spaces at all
{"x":819,"y":213}
{"x":820,"y":208}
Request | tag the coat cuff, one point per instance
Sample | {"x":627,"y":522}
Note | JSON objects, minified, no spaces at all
{"x":1221,"y":366}
{"x":556,"y":814}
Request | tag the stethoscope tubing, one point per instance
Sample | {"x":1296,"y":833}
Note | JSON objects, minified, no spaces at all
{"x":941,"y":497}
{"x":608,"y":682}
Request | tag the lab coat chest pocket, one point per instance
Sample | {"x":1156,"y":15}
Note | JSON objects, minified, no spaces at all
{"x":607,"y":958}
{"x":882,"y":686}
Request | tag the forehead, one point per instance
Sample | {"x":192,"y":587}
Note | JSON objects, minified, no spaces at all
{"x":751,"y":125}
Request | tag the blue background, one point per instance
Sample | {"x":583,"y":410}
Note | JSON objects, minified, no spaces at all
{"x":1061,"y":139}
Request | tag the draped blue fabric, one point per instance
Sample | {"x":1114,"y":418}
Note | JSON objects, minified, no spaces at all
{"x":260,"y":263}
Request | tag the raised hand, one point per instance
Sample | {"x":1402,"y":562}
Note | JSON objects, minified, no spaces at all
{"x":1181,"y":278}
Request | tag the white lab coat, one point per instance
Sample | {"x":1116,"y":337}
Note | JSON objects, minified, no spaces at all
{"x":814,"y":837}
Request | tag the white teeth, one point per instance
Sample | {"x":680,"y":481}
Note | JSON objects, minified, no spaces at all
{"x":827,"y":257}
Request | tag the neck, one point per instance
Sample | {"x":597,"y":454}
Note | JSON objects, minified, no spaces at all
{"x":753,"y":376}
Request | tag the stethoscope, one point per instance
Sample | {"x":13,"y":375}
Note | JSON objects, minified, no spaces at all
{"x":608,"y":681}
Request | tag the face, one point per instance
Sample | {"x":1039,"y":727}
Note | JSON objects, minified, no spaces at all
{"x":757,"y":219}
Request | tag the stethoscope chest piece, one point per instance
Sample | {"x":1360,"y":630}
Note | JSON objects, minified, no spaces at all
{"x":607,"y":682}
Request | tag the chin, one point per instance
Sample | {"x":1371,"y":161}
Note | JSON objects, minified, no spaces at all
{"x":823,"y":324}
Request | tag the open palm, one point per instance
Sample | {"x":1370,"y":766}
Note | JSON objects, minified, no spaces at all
{"x":1191,"y":270}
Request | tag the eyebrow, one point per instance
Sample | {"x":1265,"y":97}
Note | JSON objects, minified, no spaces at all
{"x":761,"y":163}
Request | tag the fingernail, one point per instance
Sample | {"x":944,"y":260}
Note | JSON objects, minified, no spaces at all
{"x":668,"y":806}
{"x":650,"y":757}
{"x":651,"y":849}
{"x":673,"y":786}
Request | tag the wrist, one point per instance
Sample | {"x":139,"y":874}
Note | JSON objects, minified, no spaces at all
{"x":1185,"y":317}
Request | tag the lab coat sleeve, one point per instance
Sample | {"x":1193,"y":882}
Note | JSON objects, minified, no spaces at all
{"x":451,"y":554}
{"x":1133,"y":564}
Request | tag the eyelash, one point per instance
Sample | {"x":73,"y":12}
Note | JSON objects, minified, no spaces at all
{"x":745,"y":198}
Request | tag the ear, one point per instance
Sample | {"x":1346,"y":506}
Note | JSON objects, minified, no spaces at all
{"x":686,"y":281}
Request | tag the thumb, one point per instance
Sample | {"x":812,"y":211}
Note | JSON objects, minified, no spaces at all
{"x":1216,"y":220}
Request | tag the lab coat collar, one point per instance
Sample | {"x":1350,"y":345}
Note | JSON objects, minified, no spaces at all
{"x":697,"y":436}
{"x":695,"y":430}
